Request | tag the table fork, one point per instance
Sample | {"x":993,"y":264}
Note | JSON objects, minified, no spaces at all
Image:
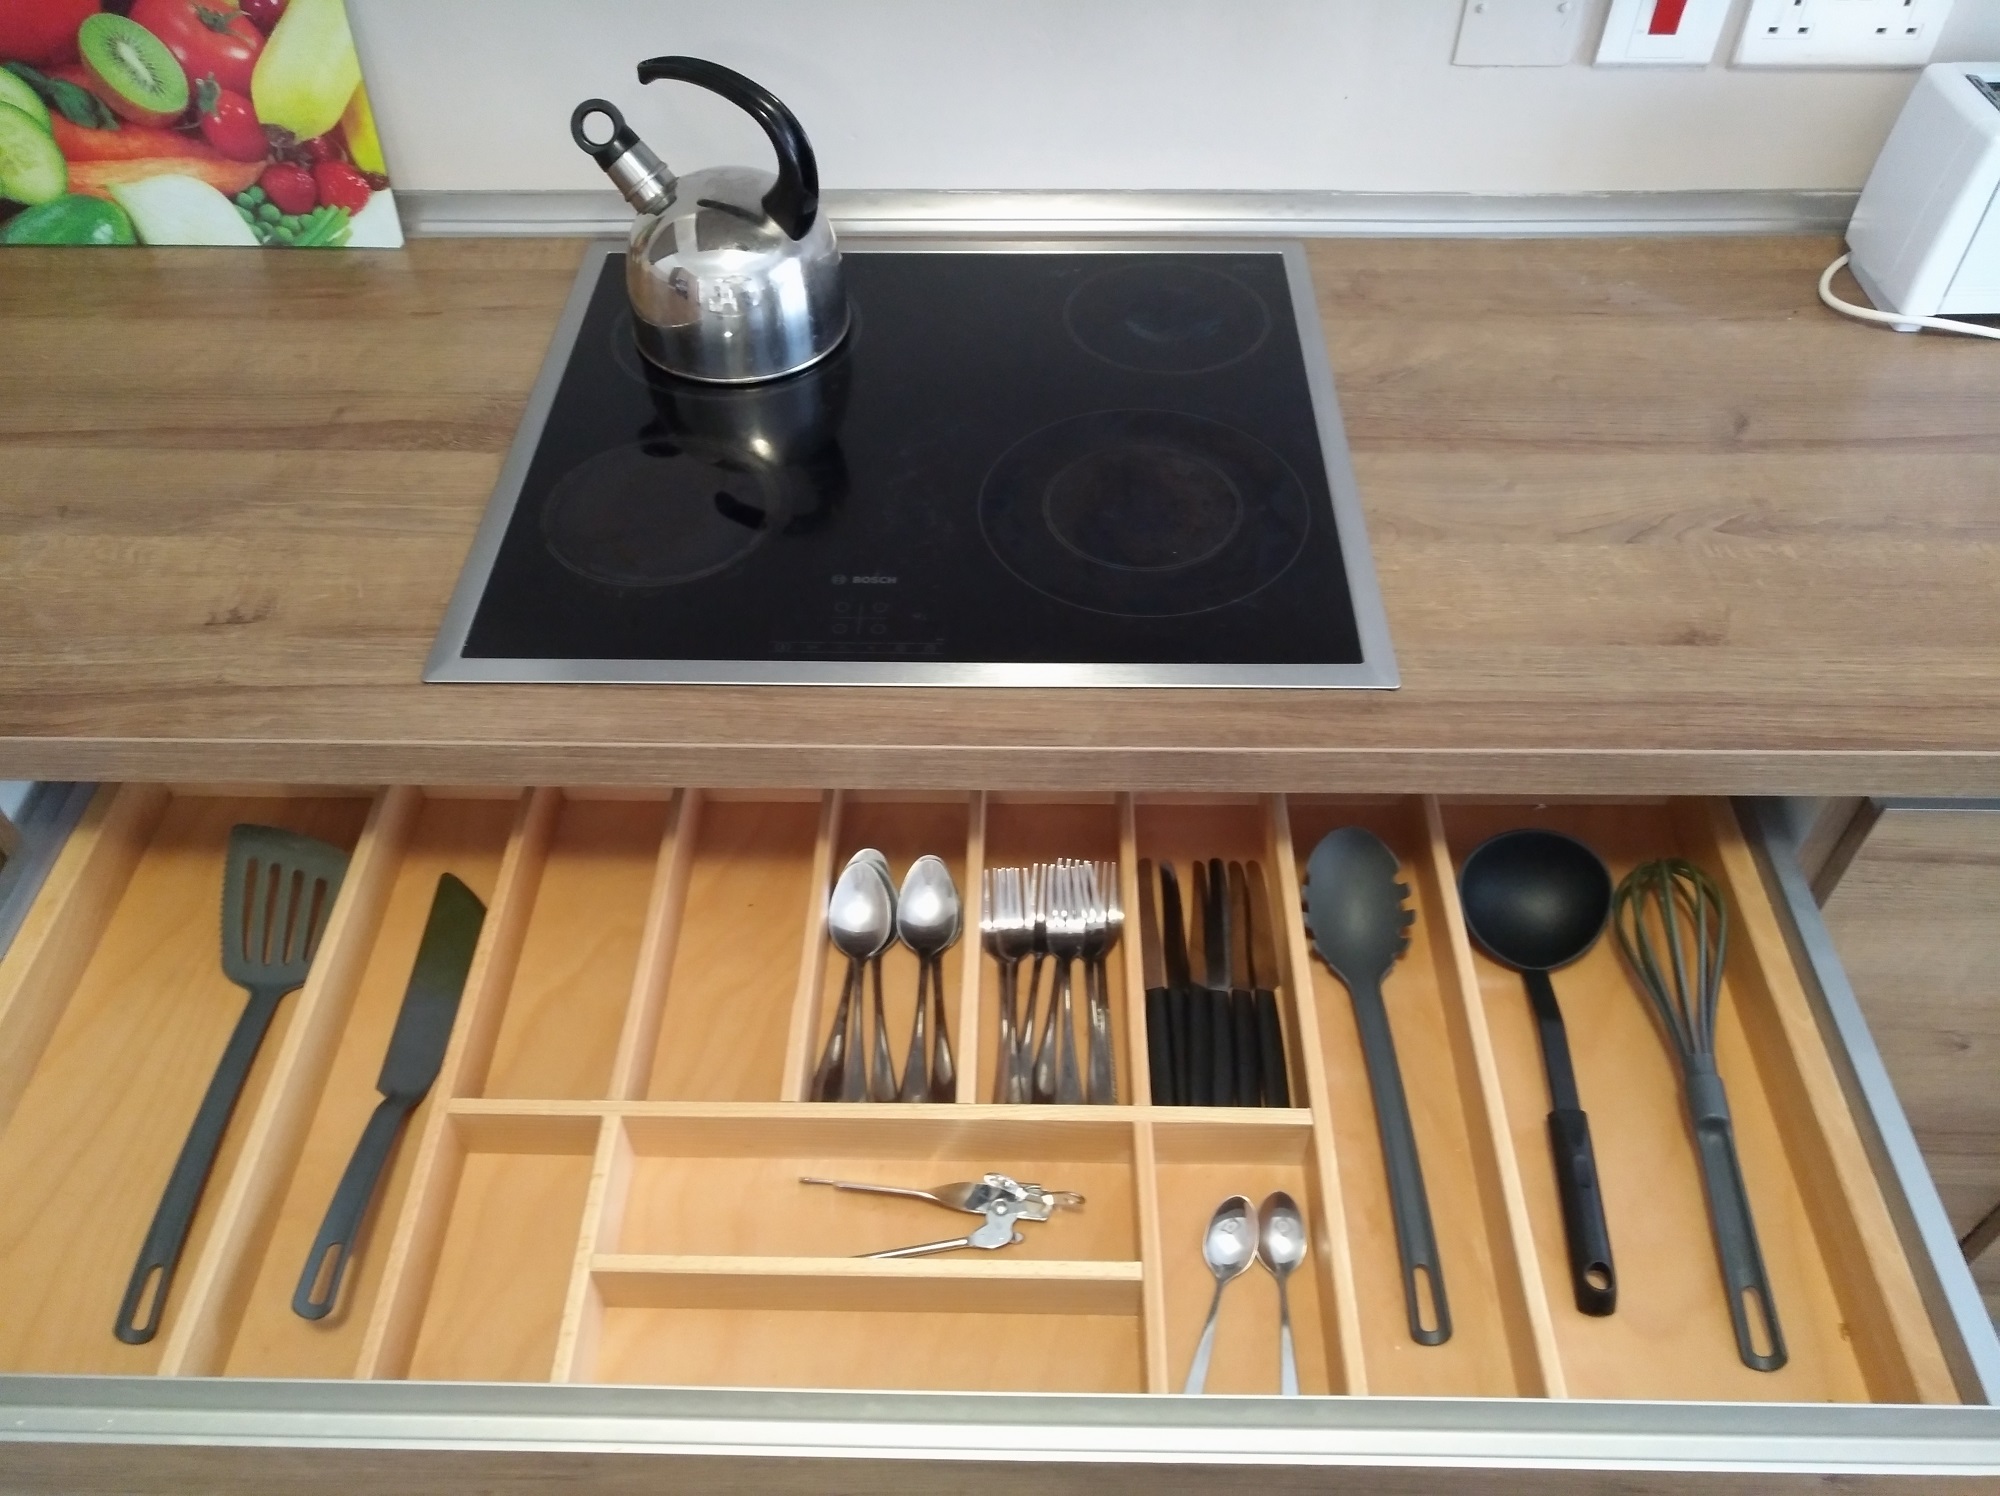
{"x":1105,"y":920}
{"x":1064,"y":922}
{"x":1007,"y":928}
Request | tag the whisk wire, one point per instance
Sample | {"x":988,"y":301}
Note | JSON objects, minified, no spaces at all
{"x":1680,"y":902}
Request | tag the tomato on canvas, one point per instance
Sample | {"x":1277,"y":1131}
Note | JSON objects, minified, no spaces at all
{"x":220,"y":122}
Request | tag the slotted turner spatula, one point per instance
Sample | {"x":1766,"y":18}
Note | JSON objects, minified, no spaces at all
{"x":277,"y":890}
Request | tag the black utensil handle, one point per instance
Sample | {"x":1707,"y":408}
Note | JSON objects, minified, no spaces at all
{"x":1590,"y":1270}
{"x":1181,"y":1023}
{"x":793,"y":201}
{"x":167,"y":1236}
{"x":1249,"y":1049}
{"x":1160,"y":1046}
{"x":326,"y":1263}
{"x":1201,"y":1048}
{"x":1744,"y":1280}
{"x":1273,"y":1070}
{"x":1222,"y":1039}
{"x":1416,"y":1242}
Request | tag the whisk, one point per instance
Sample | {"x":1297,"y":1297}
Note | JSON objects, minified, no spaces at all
{"x":1674,"y":929}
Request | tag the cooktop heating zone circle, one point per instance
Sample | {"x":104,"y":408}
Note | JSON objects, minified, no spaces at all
{"x":1166,"y":319}
{"x":1144,"y":513}
{"x":649,"y":515}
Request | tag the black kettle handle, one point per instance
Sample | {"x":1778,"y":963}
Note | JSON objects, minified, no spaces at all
{"x":793,"y":201}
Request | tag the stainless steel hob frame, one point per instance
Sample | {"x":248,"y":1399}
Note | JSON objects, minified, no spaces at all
{"x":1377,"y":670}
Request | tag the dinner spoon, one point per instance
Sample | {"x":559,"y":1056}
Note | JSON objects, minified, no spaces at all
{"x":929,"y":916}
{"x":860,"y":921}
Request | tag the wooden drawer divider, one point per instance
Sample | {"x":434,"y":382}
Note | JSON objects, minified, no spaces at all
{"x":1131,"y":1268}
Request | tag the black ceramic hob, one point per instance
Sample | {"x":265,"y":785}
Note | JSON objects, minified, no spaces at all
{"x":1112,"y":465}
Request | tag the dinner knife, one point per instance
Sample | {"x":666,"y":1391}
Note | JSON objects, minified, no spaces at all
{"x":1262,"y":941}
{"x":1195,"y":1081}
{"x":1179,"y":999}
{"x":1242,"y":1005}
{"x":416,"y":1052}
{"x":1152,"y":966}
{"x":1212,"y":893}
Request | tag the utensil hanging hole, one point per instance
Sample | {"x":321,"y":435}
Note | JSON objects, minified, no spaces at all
{"x":269,"y":922}
{"x":295,"y":934}
{"x":152,"y":1295}
{"x":1598,"y":1276}
{"x":247,"y":915}
{"x":1425,"y":1293}
{"x":1762,"y":1341}
{"x":323,"y":1273}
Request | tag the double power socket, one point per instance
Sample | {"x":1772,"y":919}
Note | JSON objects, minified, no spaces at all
{"x":1688,"y":33}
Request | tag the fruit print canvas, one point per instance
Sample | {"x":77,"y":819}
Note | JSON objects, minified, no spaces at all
{"x":221,"y":122}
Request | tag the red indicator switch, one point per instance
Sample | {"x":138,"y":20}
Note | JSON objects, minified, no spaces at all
{"x":1667,"y":17}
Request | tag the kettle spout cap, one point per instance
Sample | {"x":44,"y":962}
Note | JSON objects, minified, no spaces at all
{"x":630,"y":163}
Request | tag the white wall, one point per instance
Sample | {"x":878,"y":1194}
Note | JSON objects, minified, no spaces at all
{"x":1350,"y":95}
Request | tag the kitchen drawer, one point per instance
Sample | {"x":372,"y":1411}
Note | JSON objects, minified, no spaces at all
{"x":597,"y":1216}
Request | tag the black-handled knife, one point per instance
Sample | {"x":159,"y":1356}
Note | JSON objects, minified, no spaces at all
{"x":1273,"y":1069}
{"x":416,"y":1052}
{"x":1152,"y":966}
{"x":1212,"y":899}
{"x":1242,"y":995}
{"x":1179,"y":999}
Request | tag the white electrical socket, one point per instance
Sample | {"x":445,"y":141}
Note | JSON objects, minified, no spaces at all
{"x":1841,"y":33}
{"x":1661,"y":33}
{"x":1518,"y":33}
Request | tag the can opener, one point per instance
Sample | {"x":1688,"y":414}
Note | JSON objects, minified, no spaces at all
{"x":1001,"y":1200}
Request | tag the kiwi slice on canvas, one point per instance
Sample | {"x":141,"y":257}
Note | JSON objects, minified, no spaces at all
{"x":32,"y":170}
{"x":14,"y":91}
{"x":139,"y":77}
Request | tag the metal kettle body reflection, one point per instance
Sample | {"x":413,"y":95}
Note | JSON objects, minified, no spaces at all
{"x":719,"y":472}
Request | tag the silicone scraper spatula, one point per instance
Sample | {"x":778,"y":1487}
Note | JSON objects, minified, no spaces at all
{"x":278,"y":889}
{"x":1355,"y":915}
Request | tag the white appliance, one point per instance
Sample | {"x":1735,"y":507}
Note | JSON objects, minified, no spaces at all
{"x":1925,"y":237}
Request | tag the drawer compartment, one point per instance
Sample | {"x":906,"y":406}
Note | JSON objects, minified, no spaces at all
{"x":605,"y":1183}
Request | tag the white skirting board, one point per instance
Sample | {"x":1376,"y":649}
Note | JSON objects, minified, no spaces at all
{"x":1358,"y":214}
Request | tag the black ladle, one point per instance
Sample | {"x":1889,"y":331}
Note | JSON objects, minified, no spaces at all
{"x":1538,"y":900}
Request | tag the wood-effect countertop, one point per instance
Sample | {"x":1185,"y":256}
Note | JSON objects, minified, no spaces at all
{"x":1646,"y":517}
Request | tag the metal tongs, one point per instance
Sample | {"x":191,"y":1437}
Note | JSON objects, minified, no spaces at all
{"x":1001,"y":1200}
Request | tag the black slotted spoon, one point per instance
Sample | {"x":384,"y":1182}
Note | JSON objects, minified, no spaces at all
{"x":278,"y":889}
{"x":1360,"y":927}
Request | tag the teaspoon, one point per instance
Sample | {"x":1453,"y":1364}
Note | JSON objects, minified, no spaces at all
{"x":1281,"y":1247}
{"x":1229,"y":1246}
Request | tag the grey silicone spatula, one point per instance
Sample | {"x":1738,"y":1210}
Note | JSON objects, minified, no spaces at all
{"x":416,"y":1051}
{"x":278,"y":890}
{"x":1355,"y":915}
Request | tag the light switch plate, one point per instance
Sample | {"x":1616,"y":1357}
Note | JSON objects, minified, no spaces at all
{"x":1662,"y":33}
{"x":1518,"y":33}
{"x":1841,"y":33}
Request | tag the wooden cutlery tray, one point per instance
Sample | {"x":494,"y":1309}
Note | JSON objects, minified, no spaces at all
{"x":603,"y":1185}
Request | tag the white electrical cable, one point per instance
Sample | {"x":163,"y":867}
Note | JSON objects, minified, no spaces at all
{"x":1893,"y":319}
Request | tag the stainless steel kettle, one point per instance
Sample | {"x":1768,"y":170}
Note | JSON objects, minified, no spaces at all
{"x":733,"y":272}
